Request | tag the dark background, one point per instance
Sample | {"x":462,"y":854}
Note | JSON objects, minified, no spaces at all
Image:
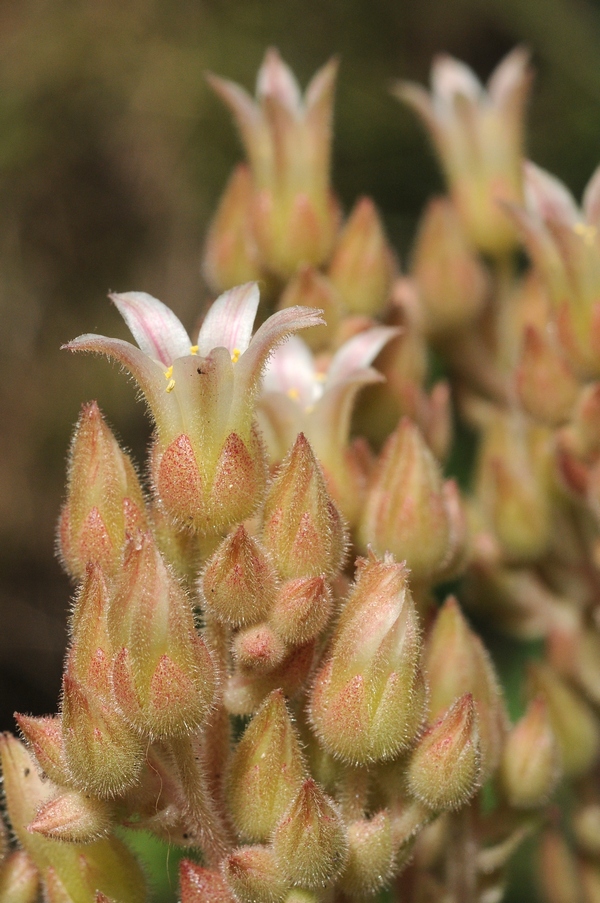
{"x":113,"y":153}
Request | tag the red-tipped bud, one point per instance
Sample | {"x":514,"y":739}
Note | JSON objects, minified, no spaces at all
{"x":201,"y":885}
{"x":445,"y":768}
{"x":406,"y":511}
{"x":451,"y":280}
{"x":545,"y":383}
{"x":530,"y":765}
{"x":19,"y":879}
{"x":456,"y":663}
{"x":310,"y":288}
{"x":573,"y":721}
{"x":370,"y":861}
{"x":302,"y":609}
{"x":310,"y":842}
{"x":104,"y":498}
{"x":239,"y":583}
{"x":266,"y":770}
{"x":230,"y":254}
{"x":363,"y":266}
{"x":363,"y":698}
{"x":258,"y":648}
{"x":302,"y":528}
{"x":253,"y":876}
{"x":164,"y":678}
{"x":74,"y":817}
{"x":45,"y":737}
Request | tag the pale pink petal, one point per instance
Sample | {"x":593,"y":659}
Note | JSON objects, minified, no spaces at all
{"x":272,"y":333}
{"x":449,"y":78}
{"x":322,"y":85}
{"x":416,"y":97}
{"x":547,"y":197}
{"x":153,"y":325}
{"x":358,"y":352}
{"x":291,"y":370}
{"x":510,"y":76}
{"x":591,"y":199}
{"x":329,"y":424}
{"x":246,"y":113}
{"x":277,"y":81}
{"x":229,"y":321}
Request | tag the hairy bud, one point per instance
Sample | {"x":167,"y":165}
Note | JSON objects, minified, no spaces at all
{"x":530,"y":765}
{"x":19,"y":879}
{"x":546,"y":384}
{"x":258,"y":648}
{"x":73,"y":816}
{"x":302,"y":609}
{"x":45,"y":737}
{"x":310,"y":288}
{"x":370,"y":859}
{"x":253,"y":876}
{"x":201,"y":885}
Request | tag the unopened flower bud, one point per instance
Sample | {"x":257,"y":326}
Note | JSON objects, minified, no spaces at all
{"x":202,"y":885}
{"x":310,"y":842}
{"x":45,"y":738}
{"x":302,"y":528}
{"x":370,"y":860}
{"x":573,"y":721}
{"x":546,"y":384}
{"x":73,"y":816}
{"x":239,"y":582}
{"x":266,"y":770}
{"x":586,"y":828}
{"x":253,"y":875}
{"x":530,"y":765}
{"x":246,"y":691}
{"x":19,"y":879}
{"x":104,"y":498}
{"x":451,"y":280}
{"x":406,"y":511}
{"x":362,"y":266}
{"x":302,"y":609}
{"x":310,"y":288}
{"x":164,"y":678}
{"x":445,"y":768}
{"x":231,"y":254}
{"x":558,"y":871}
{"x":91,"y":650}
{"x":363,"y":698}
{"x":456,"y":662}
{"x":258,"y":648}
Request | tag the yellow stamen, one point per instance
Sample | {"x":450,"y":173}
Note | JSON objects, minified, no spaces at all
{"x":587,"y":231}
{"x":171,"y":386}
{"x":235,"y":355}
{"x":169,"y":372}
{"x":194,"y":349}
{"x":293,"y":393}
{"x":320,"y":377}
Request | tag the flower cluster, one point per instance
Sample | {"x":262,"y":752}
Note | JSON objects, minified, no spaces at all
{"x":264,"y":668}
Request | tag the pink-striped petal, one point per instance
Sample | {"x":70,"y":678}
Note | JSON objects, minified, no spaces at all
{"x":291,"y":371}
{"x":245,"y":111}
{"x":547,"y":197}
{"x":358,"y":352}
{"x":416,"y":97}
{"x":229,"y":321}
{"x":153,"y":325}
{"x":277,"y":81}
{"x":510,"y":76}
{"x":329,"y":424}
{"x":449,"y":78}
{"x":591,"y":199}
{"x":322,"y":85}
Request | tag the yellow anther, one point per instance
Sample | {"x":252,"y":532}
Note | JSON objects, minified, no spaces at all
{"x":235,"y":355}
{"x":587,"y":231}
{"x":320,"y":377}
{"x":293,"y":393}
{"x":169,"y":372}
{"x":194,"y":349}
{"x":171,"y":386}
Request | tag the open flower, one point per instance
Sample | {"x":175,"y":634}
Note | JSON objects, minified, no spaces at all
{"x":298,"y":396}
{"x":287,"y":138}
{"x":478,"y":135}
{"x":564,"y":242}
{"x":208,"y":464}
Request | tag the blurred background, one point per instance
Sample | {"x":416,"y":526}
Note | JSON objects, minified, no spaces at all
{"x":113,"y":153}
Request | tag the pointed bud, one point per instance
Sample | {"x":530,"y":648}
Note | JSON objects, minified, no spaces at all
{"x":310,"y":288}
{"x":164,"y":678}
{"x":91,"y":650}
{"x":258,"y":648}
{"x":545,"y":383}
{"x":201,"y":885}
{"x":456,"y":663}
{"x":74,"y":817}
{"x":370,"y":861}
{"x":363,"y":266}
{"x":253,"y":876}
{"x":45,"y":737}
{"x":557,"y":870}
{"x":452,"y":282}
{"x":444,"y":770}
{"x":230,"y":253}
{"x":406,"y":511}
{"x":302,"y":609}
{"x":573,"y":721}
{"x":302,"y":528}
{"x":104,"y":498}
{"x":530,"y":765}
{"x":24,"y":790}
{"x":266,"y":770}
{"x":363,"y":697}
{"x":19,"y":879}
{"x":239,"y":582}
{"x":245,"y":691}
{"x":310,"y":843}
